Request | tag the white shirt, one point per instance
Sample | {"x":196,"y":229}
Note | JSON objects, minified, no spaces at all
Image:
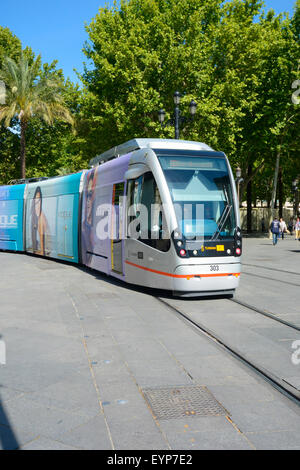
{"x":282,"y":226}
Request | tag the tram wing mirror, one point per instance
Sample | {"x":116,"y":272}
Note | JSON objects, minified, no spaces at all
{"x":135,"y":171}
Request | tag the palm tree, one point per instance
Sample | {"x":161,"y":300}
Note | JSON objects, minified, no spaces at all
{"x":28,"y":94}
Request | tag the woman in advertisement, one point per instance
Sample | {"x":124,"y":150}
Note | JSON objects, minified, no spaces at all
{"x":39,"y":224}
{"x":88,"y":215}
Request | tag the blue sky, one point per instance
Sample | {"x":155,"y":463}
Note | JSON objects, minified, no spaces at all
{"x":55,"y":28}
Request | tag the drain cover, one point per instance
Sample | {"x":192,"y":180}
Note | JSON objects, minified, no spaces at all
{"x":178,"y":402}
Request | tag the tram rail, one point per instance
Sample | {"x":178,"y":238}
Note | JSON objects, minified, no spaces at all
{"x":271,"y":279}
{"x":266,"y":313}
{"x":271,"y":268}
{"x":278,"y":383}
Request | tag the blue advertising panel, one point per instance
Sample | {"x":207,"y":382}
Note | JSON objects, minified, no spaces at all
{"x":11,"y":217}
{"x":52,"y":217}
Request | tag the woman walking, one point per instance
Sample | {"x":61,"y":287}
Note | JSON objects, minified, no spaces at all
{"x":283,"y":227}
{"x":297,"y":229}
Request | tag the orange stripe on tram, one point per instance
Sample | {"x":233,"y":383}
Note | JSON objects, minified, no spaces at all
{"x":182,"y":276}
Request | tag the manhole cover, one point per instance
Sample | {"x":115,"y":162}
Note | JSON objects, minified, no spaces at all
{"x":178,"y":402}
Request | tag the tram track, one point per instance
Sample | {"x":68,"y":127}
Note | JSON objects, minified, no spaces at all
{"x":271,"y":269}
{"x":271,"y":279}
{"x":266,"y":313}
{"x":278,"y":383}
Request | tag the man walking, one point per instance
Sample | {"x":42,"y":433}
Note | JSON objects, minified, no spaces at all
{"x":275,"y":229}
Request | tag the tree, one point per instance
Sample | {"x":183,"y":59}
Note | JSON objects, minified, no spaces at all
{"x":10,"y":45}
{"x":237,"y":67}
{"x":142,"y":51}
{"x":30,"y":95}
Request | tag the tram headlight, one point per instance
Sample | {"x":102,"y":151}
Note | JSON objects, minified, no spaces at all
{"x":179,"y":243}
{"x":238,"y":242}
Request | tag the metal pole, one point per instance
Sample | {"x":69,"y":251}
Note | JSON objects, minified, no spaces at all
{"x":176,"y":121}
{"x":275,"y":185}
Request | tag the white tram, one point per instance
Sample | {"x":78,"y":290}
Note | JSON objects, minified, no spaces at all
{"x":163,"y":214}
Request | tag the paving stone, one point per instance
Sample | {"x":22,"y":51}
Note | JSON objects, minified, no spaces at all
{"x":43,"y":443}
{"x":282,"y":440}
{"x":92,"y":435}
{"x":74,"y":336}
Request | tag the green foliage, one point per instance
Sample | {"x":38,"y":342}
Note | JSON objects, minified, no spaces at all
{"x":235,"y":60}
{"x":10,"y":45}
{"x":31,"y":93}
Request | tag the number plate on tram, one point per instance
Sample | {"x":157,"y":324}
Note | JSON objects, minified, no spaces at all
{"x":214,"y":267}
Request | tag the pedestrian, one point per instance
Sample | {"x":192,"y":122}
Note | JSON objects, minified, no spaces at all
{"x":291,"y":226}
{"x":275,"y":229}
{"x":297,"y":229}
{"x":283,"y":227}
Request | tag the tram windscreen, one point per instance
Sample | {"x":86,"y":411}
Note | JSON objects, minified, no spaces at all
{"x":202,"y":195}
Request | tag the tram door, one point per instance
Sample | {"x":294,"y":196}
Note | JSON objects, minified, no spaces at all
{"x":117,"y":228}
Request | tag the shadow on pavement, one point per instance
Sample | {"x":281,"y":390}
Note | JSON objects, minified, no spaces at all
{"x":143,"y":289}
{"x":130,"y":287}
{"x":8,"y":440}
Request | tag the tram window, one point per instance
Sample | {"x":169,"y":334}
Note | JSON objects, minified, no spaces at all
{"x":134,"y":189}
{"x":201,"y":191}
{"x":146,"y":220}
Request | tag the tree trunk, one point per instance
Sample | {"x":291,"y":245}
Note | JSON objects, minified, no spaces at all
{"x":23,"y":149}
{"x":275,"y":184}
{"x":249,"y":200}
{"x":280,"y":192}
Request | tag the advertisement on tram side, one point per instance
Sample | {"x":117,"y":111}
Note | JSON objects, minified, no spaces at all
{"x":103,"y":190}
{"x":96,"y":202}
{"x":11,"y":217}
{"x":52,"y":217}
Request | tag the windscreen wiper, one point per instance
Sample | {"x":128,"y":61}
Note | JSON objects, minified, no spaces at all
{"x":222,"y":221}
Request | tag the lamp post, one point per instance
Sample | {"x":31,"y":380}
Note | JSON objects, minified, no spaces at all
{"x":238,"y":180}
{"x":295,"y":191}
{"x":177,"y":119}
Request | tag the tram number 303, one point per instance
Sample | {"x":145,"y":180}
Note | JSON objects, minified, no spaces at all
{"x":214,"y":267}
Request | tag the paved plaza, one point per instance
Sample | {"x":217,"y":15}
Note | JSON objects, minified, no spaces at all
{"x":86,"y":354}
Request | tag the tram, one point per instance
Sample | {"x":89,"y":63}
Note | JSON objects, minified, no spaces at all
{"x":159,"y":213}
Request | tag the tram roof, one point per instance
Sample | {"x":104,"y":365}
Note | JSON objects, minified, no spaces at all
{"x":136,"y":144}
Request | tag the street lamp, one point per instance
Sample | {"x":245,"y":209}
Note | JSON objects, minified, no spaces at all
{"x":295,"y":191}
{"x":238,"y":180}
{"x":177,"y":119}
